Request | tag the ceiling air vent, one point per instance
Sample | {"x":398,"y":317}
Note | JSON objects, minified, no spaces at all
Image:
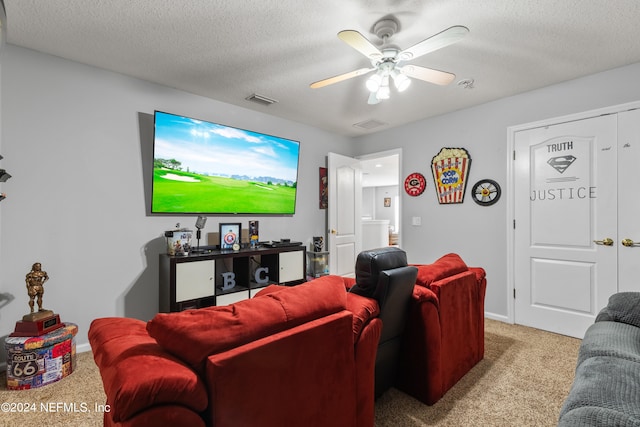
{"x":259,"y":99}
{"x":369,"y":124}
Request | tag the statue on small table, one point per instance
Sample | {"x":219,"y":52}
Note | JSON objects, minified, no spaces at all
{"x":39,"y":322}
{"x":35,"y":285}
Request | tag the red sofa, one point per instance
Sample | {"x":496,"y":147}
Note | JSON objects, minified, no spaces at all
{"x":444,"y":337}
{"x":300,"y":355}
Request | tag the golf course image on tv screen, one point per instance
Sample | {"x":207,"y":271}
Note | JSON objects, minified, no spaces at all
{"x":208,"y":168}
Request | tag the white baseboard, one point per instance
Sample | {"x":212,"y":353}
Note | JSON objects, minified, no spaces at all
{"x":498,"y":317}
{"x":82,"y":348}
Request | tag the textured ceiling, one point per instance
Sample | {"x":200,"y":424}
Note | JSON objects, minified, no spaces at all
{"x":229,"y":49}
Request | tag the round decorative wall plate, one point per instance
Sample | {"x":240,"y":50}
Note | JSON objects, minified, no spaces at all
{"x":415,"y":184}
{"x":486,"y":192}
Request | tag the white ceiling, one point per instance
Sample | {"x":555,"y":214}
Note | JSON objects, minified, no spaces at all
{"x":229,"y":49}
{"x":381,"y":171}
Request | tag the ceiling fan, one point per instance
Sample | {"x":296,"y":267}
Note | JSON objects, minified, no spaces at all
{"x":386,"y":62}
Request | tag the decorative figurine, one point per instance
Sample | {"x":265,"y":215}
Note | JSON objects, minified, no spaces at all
{"x":318,"y":242}
{"x":42,"y":321}
{"x":36,"y":279}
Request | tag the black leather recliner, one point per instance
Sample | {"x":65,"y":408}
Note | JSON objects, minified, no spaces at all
{"x":383,"y":274}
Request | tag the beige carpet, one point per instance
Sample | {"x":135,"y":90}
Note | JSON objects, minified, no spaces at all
{"x":69,"y":402}
{"x":522,"y":381}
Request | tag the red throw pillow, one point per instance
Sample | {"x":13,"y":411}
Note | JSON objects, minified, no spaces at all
{"x":445,"y":266}
{"x":193,"y":335}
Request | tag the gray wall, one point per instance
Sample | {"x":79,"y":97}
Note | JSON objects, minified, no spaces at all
{"x":373,"y":202}
{"x":78,"y":143}
{"x":479,"y":234}
{"x":389,"y":212}
{"x":368,"y":202}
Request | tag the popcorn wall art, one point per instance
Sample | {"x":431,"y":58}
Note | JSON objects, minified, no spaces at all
{"x":450,"y":169}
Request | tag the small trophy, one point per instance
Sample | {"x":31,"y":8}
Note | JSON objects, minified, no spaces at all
{"x":36,"y":322}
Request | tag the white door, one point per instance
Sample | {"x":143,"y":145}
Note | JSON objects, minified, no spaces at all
{"x":629,"y":201}
{"x":565,"y":194}
{"x":344,"y":221}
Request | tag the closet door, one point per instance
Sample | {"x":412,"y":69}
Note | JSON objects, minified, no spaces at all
{"x":629,"y":201}
{"x":565,"y":223}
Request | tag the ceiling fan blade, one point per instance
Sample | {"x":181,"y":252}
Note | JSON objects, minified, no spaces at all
{"x":360,"y":43}
{"x":373,"y":99}
{"x":430,"y":75}
{"x":339,"y":78}
{"x":444,"y":38}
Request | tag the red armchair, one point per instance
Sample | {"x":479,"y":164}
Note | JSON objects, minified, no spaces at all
{"x":299,"y":355}
{"x":444,"y":338}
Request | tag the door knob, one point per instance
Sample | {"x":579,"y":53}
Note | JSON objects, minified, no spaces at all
{"x":332,"y":231}
{"x":629,"y":243}
{"x":606,"y":242}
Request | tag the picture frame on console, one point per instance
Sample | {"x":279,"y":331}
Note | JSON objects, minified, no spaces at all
{"x":230,"y":235}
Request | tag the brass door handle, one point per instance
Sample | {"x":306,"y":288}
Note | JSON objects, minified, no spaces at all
{"x":629,"y":243}
{"x":606,"y":242}
{"x":332,"y":231}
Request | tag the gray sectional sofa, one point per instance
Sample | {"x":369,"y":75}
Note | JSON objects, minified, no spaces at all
{"x":606,"y":388}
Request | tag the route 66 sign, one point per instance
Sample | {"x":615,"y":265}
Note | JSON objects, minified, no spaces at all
{"x":415,"y":184}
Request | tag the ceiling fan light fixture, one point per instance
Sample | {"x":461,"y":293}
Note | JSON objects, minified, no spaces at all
{"x":384,"y":92}
{"x":400,"y":81}
{"x":374,"y":82}
{"x":385,"y":62}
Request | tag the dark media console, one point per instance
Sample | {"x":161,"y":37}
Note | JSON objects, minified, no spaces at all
{"x":221,"y":277}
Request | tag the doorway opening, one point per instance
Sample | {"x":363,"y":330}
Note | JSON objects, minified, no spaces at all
{"x":381,"y":202}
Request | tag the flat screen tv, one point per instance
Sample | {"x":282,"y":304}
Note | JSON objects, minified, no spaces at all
{"x":202,"y":167}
